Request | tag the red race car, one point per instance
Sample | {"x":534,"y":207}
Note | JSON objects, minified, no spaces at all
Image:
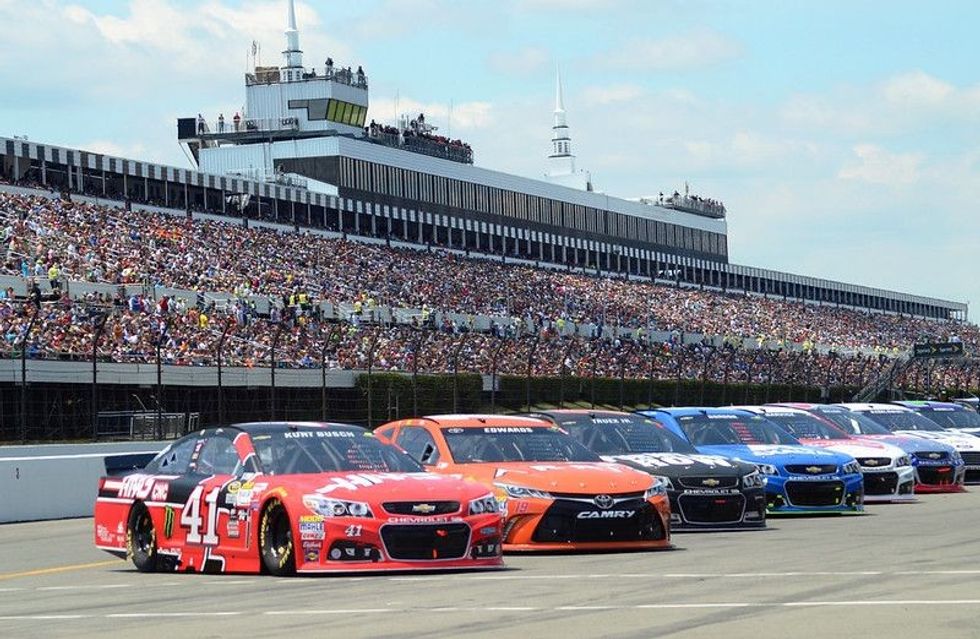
{"x":281,"y":498}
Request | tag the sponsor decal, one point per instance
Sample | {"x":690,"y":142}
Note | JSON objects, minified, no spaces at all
{"x":314,"y":434}
{"x":234,"y":487}
{"x":503,"y":430}
{"x":423,"y":509}
{"x":168,"y":522}
{"x":136,"y":486}
{"x":160,"y":491}
{"x":710,"y":482}
{"x":312,"y":555}
{"x":311,"y":527}
{"x":871,"y":462}
{"x":104,"y":535}
{"x":766,"y":450}
{"x":606,"y":514}
{"x":662,"y":460}
{"x":365,"y":480}
{"x":408,"y":519}
{"x":233,"y":528}
{"x":488,"y":530}
{"x":814,"y":470}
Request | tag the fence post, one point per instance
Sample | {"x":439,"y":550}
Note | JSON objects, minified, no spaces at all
{"x":827,"y":378}
{"x":532,"y":349}
{"x":23,"y":374}
{"x":651,"y":371}
{"x":229,"y":322}
{"x":708,"y":356}
{"x":771,"y":357}
{"x":593,"y":371}
{"x":680,"y":360}
{"x":272,"y":371}
{"x":370,"y":393}
{"x":726,"y":376}
{"x":331,"y":336}
{"x":493,"y":374}
{"x":748,"y":380}
{"x":164,"y":331}
{"x":562,"y":368}
{"x":416,"y":349}
{"x":456,"y":352}
{"x":100,"y":322}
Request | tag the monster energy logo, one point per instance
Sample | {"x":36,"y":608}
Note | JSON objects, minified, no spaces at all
{"x":168,"y":522}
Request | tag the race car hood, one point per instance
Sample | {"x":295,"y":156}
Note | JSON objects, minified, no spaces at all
{"x":960,"y":441}
{"x":777,"y":454}
{"x":375,"y":487}
{"x":908,"y":444}
{"x":683,"y":465}
{"x":857,"y":448}
{"x":561,"y":477}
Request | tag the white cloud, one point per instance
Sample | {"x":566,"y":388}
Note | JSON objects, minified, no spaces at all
{"x":465,"y":115}
{"x":877,"y":166}
{"x":612,"y":94}
{"x":901,"y":104}
{"x":525,"y":61}
{"x":690,"y":50}
{"x":916,"y":89}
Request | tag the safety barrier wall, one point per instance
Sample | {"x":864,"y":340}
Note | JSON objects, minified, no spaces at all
{"x":57,"y":481}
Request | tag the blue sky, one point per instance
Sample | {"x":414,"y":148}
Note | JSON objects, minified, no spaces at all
{"x":842,"y":135}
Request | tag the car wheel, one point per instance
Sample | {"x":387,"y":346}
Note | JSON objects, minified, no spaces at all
{"x":276,"y":540}
{"x":141,"y":539}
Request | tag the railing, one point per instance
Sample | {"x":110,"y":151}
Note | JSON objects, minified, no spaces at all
{"x":246,"y":125}
{"x":265,"y":175}
{"x":423,"y":145}
{"x":696,"y":205}
{"x":340,"y":75}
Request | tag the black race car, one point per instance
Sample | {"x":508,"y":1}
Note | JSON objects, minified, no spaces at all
{"x":707,"y":492}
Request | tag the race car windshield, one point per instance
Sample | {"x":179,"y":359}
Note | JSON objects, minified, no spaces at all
{"x":622,"y":434}
{"x":325,"y":451}
{"x":715,"y":430}
{"x":855,"y":423}
{"x":904,"y":420}
{"x":954,"y":418}
{"x":805,"y":426}
{"x":514,"y":444}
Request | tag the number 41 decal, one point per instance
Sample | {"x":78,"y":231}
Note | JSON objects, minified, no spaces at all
{"x":190,"y":517}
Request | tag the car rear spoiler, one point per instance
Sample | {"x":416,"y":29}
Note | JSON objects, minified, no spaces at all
{"x":122,"y":463}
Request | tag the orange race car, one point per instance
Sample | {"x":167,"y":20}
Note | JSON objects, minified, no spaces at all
{"x":554,"y":493}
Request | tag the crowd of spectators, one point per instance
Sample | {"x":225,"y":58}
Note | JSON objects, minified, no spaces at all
{"x":95,"y":243}
{"x":132,"y":329}
{"x":58,"y":240}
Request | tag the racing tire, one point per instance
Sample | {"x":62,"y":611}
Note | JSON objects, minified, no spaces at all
{"x":276,"y":541}
{"x":141,"y":539}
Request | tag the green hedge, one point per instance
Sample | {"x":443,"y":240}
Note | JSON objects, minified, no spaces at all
{"x":392,"y":396}
{"x":512,"y":392}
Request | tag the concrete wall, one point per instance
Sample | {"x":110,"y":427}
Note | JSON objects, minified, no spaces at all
{"x":57,"y":481}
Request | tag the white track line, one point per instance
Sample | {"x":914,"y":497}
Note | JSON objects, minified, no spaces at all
{"x":525,"y":609}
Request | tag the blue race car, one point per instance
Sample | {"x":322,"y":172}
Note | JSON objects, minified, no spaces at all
{"x":949,"y":415}
{"x":800,"y":479}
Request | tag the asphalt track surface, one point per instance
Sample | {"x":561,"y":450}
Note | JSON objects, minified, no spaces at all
{"x":907,"y":570}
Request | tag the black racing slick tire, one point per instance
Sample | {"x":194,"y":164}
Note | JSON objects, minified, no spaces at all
{"x":276,"y":541}
{"x":141,"y":539}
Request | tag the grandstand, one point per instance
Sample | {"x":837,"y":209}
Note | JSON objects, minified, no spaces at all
{"x":385,"y":249}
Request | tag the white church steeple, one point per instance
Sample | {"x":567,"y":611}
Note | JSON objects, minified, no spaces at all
{"x":561,"y":162}
{"x":293,"y":56}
